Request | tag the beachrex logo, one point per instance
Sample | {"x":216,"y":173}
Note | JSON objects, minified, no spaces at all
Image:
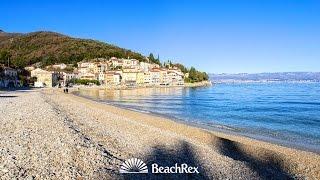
{"x":135,"y":165}
{"x":183,"y":168}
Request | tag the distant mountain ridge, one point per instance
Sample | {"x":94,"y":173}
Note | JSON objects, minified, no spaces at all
{"x":266,"y":77}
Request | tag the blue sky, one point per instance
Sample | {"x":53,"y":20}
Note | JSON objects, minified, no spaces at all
{"x":216,"y":36}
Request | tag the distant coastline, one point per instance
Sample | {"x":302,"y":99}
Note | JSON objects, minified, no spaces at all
{"x":294,"y":77}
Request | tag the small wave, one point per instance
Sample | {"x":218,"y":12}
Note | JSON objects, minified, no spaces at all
{"x":218,"y":126}
{"x":138,"y":110}
{"x":300,"y":102}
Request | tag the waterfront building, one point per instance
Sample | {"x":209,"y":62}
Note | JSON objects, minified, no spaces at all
{"x":101,"y":77}
{"x":175,"y":77}
{"x":67,"y":77}
{"x":155,"y":76}
{"x":10,"y":72}
{"x":129,"y":78}
{"x":140,"y":78}
{"x":8,"y":77}
{"x":88,"y":76}
{"x":112,"y":78}
{"x":45,"y":78}
{"x":164,"y":77}
{"x":147,"y":78}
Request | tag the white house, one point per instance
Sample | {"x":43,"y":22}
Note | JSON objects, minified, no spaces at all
{"x":144,"y":66}
{"x":59,"y":66}
{"x":67,"y":77}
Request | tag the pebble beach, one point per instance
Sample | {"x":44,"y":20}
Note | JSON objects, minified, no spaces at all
{"x":47,"y":134}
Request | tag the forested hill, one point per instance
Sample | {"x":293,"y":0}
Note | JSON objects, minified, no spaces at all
{"x":51,"y":47}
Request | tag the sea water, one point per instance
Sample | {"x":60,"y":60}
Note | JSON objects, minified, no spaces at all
{"x":285,"y":113}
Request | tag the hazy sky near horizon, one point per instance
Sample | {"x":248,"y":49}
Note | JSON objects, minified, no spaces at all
{"x":216,"y":36}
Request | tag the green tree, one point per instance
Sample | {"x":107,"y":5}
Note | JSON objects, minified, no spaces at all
{"x":196,"y":76}
{"x":181,"y":67}
{"x":153,"y":60}
{"x":192,"y":74}
{"x":4,"y":56}
{"x":151,"y":57}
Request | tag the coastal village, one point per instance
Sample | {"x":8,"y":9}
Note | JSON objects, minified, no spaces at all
{"x":110,"y":73}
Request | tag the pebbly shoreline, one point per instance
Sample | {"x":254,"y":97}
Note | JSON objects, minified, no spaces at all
{"x":123,"y":87}
{"x":199,"y":84}
{"x":46,"y":134}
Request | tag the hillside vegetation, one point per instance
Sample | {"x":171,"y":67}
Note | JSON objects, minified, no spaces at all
{"x":49,"y":48}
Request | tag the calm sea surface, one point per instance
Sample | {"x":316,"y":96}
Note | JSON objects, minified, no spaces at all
{"x":286,"y":113}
